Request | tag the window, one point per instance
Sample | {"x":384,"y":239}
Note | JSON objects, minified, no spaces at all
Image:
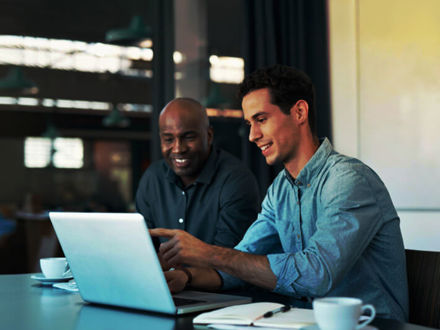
{"x":226,"y":69}
{"x":40,"y":152}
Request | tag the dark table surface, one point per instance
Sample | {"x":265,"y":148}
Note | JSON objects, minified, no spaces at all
{"x":26,"y":304}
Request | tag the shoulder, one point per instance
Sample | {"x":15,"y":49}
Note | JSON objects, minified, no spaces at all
{"x":347,"y":176}
{"x":156,"y":171}
{"x":348,"y":168}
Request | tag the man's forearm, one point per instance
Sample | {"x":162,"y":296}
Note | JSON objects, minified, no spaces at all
{"x":251,"y":268}
{"x":205,"y":278}
{"x":183,"y":248}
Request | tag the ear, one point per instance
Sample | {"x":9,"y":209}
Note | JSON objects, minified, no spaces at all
{"x":301,"y":112}
{"x":210,"y":135}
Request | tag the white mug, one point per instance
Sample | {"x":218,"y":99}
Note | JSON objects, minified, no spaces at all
{"x":54,"y":267}
{"x":340,"y":313}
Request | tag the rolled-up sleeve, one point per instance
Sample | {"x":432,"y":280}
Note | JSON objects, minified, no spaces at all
{"x":261,"y":238}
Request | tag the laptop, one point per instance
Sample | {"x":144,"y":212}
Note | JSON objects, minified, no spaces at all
{"x":114,"y":262}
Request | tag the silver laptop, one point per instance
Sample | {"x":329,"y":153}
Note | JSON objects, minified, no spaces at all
{"x":113,"y":261}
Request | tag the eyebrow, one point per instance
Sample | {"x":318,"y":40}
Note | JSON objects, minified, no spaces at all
{"x":181,"y":134}
{"x":255,"y":116}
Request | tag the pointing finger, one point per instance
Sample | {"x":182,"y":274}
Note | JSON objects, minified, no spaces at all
{"x":162,"y":232}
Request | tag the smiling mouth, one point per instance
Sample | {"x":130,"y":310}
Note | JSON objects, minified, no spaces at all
{"x":264,"y":148}
{"x":181,"y":162}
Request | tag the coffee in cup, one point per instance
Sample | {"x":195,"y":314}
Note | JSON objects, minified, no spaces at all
{"x":54,"y":267}
{"x":340,"y":313}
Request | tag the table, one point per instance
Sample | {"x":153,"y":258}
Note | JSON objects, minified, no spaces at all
{"x":26,"y":304}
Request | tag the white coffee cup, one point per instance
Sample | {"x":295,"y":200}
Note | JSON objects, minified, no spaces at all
{"x":340,"y":313}
{"x":54,"y":267}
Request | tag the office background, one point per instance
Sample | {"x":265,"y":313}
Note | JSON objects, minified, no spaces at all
{"x":375,"y":64}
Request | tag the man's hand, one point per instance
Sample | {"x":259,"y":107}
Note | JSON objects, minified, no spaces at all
{"x":181,"y":247}
{"x":184,"y":249}
{"x":165,"y":266}
{"x":176,"y":280}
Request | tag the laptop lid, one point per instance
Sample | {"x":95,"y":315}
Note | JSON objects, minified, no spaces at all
{"x":113,"y":261}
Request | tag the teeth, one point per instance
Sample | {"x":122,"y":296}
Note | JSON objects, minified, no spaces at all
{"x":265,"y":147}
{"x":180,"y":160}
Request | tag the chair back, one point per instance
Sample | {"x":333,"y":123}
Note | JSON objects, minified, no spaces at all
{"x":423,"y":270}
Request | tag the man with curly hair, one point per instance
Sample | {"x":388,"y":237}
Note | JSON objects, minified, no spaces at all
{"x":327,"y":226}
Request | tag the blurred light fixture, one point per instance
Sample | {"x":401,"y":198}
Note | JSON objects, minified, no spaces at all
{"x":15,"y":81}
{"x":137,"y":34}
{"x":73,"y":55}
{"x":116,"y":119}
{"x":225,"y":69}
{"x":178,"y":57}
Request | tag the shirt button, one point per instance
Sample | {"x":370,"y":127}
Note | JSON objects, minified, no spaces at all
{"x":180,"y":220}
{"x":308,"y":185}
{"x":183,"y":193}
{"x":298,"y":236}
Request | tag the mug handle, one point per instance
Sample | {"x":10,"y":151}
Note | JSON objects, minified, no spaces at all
{"x":371,"y":318}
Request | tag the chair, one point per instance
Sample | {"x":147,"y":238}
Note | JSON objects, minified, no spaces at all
{"x":423,"y":270}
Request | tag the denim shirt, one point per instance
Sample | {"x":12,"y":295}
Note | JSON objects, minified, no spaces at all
{"x":332,"y":231}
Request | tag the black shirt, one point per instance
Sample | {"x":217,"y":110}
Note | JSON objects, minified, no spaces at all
{"x":217,"y":208}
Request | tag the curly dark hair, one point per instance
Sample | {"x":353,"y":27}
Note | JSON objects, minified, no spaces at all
{"x":286,"y":85}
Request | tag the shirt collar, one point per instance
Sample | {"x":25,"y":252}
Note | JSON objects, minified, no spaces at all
{"x":314,"y":164}
{"x":205,"y":175}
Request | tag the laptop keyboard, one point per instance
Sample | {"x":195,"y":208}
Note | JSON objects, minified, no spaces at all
{"x":185,"y":301}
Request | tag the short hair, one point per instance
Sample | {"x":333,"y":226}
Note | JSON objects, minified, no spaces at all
{"x":286,"y":86}
{"x":190,"y":103}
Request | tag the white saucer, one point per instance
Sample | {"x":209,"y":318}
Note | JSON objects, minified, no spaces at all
{"x":68,"y":286}
{"x":49,"y":281}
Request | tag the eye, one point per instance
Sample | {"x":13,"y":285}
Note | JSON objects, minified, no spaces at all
{"x":261,"y":119}
{"x":167,"y":139}
{"x":190,"y":137}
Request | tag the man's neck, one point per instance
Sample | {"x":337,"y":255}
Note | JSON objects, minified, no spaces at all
{"x":187,"y":181}
{"x":306,"y":150}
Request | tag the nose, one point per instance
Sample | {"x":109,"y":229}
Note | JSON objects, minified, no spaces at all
{"x":179,"y":146}
{"x":254,"y":133}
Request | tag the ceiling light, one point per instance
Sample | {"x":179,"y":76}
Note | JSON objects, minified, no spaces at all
{"x":15,"y":81}
{"x":51,"y":131}
{"x":116,"y":119}
{"x":136,"y":34}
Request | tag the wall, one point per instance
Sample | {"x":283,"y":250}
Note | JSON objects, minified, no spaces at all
{"x":385,"y":69}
